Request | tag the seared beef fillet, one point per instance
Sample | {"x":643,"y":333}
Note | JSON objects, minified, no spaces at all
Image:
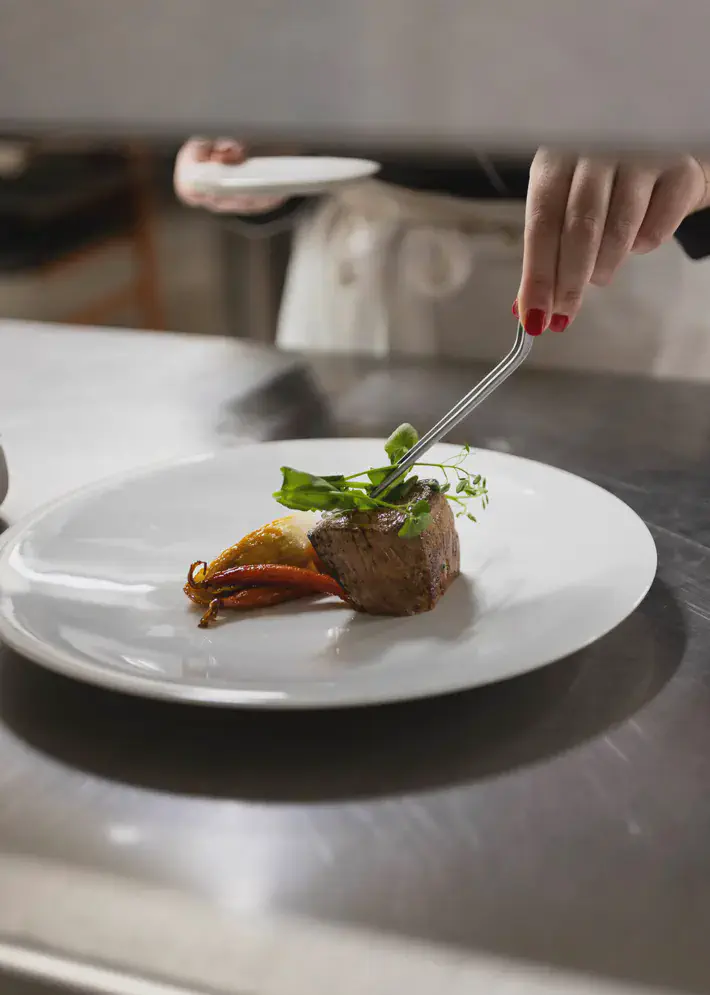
{"x":382,"y":573}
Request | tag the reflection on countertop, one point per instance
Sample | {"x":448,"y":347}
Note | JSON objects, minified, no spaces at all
{"x":559,"y":818}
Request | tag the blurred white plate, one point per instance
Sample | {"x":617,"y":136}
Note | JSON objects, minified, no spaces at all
{"x":278,"y":176}
{"x":92,"y":586}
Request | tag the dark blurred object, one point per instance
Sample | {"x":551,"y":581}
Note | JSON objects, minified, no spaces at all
{"x":59,"y":208}
{"x":253,"y":262}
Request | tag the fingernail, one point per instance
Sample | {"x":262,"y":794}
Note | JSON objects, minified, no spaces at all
{"x":535,"y":321}
{"x":516,"y":313}
{"x":559,"y":322}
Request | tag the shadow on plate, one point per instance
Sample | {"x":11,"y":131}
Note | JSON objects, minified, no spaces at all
{"x":357,"y":641}
{"x":316,"y":756}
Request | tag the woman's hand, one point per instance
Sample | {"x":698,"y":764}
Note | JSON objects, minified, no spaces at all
{"x":583,"y":218}
{"x":224,"y":150}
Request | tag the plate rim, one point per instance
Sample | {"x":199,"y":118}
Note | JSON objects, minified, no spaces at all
{"x":228,"y":186}
{"x":136,"y":685}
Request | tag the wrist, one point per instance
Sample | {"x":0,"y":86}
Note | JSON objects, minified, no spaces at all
{"x":704,"y":201}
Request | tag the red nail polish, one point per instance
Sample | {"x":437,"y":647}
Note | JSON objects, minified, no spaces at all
{"x":516,"y":313}
{"x":559,"y":322}
{"x":535,"y":321}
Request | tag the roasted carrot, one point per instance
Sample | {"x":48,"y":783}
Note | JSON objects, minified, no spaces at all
{"x":262,"y":597}
{"x":268,"y":574}
{"x":251,"y":597}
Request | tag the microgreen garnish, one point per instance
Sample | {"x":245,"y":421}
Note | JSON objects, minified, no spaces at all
{"x":304,"y":491}
{"x":400,"y":442}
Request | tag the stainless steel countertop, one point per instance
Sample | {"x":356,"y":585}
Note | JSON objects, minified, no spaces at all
{"x":561,"y":818}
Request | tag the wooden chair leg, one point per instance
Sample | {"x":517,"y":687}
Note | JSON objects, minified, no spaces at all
{"x":148,"y":288}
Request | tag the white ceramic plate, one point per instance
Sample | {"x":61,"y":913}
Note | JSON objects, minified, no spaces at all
{"x":278,"y":176}
{"x":92,"y":586}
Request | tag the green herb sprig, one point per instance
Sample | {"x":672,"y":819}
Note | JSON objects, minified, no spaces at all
{"x":302,"y":491}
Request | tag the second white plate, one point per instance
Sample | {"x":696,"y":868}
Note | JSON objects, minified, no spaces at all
{"x":92,"y":586}
{"x":277,"y":176}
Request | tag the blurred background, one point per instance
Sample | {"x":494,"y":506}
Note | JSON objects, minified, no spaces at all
{"x":91,"y":232}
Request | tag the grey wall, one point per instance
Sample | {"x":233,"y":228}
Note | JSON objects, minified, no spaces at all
{"x":467,"y":72}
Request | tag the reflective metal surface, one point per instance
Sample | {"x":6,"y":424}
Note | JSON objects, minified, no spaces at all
{"x":560,"y":818}
{"x":179,"y":946}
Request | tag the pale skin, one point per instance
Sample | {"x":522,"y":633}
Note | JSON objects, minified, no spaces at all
{"x":225,"y":150}
{"x":584,"y":217}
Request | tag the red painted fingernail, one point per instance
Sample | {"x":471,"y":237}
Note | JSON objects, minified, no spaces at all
{"x":516,"y":313}
{"x":559,"y":322}
{"x":535,"y":321}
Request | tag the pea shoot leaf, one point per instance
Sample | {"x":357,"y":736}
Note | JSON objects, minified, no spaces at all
{"x":303,"y":491}
{"x":400,"y":442}
{"x":417,"y":521}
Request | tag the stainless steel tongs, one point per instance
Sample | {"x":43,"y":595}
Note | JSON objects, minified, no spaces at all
{"x":482,"y":390}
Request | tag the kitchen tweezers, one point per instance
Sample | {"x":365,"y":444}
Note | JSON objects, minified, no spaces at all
{"x":521,"y":349}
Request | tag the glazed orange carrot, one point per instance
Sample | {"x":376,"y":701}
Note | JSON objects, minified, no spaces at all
{"x":278,"y":574}
{"x":262,"y":597}
{"x":197,"y":595}
{"x":251,"y":597}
